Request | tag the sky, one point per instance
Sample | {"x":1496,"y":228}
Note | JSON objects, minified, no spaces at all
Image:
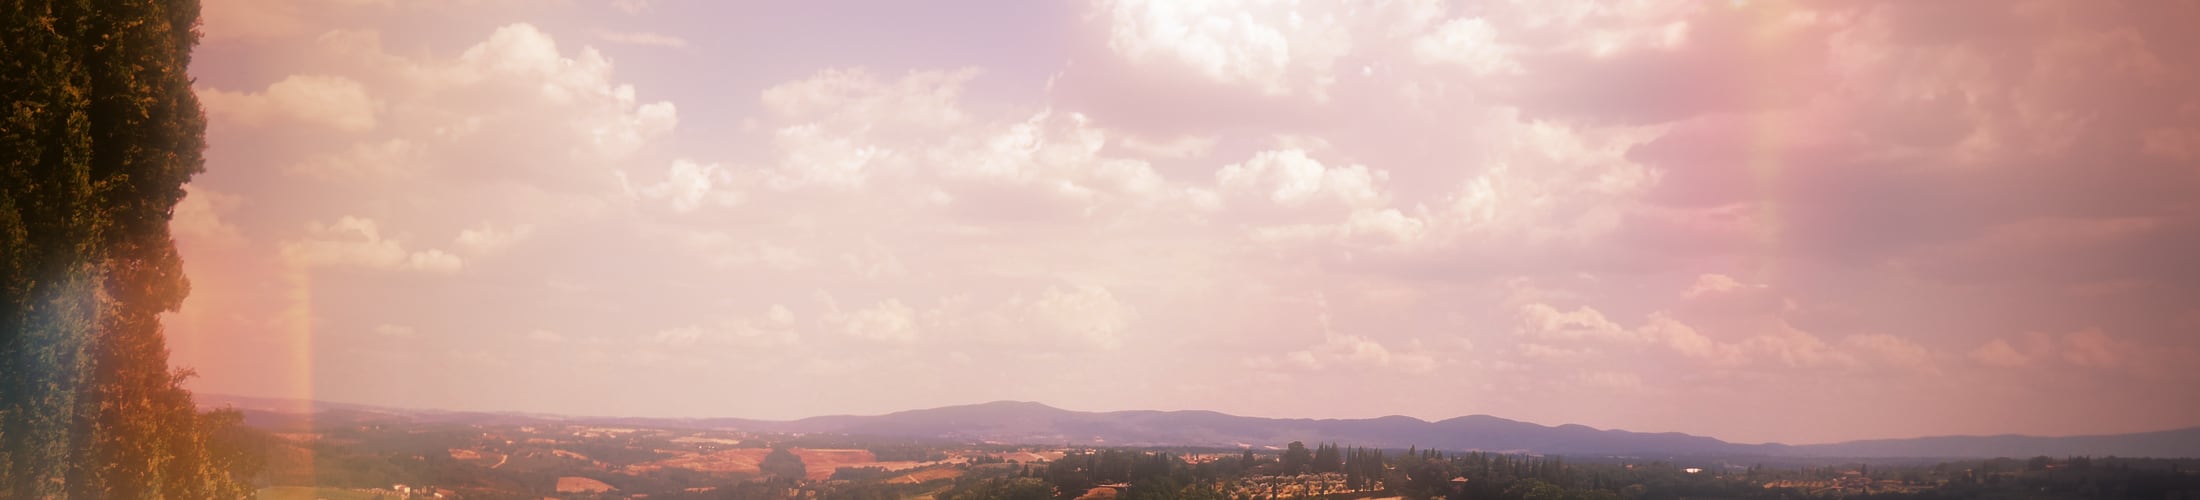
{"x":1758,"y":221}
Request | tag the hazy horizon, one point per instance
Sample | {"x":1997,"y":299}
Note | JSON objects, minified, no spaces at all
{"x":1759,"y":221}
{"x":225,"y":397}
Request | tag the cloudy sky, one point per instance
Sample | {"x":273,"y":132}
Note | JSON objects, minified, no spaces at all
{"x":1760,"y":221}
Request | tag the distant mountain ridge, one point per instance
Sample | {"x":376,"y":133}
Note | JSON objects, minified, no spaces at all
{"x":1035,"y":423}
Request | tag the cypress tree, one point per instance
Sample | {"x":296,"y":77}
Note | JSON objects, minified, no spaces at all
{"x":101,"y":133}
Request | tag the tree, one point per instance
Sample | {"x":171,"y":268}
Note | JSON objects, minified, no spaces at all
{"x":1296,"y":458}
{"x":1534,"y":489}
{"x":783,"y":465}
{"x":1005,"y":489}
{"x":1067,"y":474}
{"x":2039,"y":463}
{"x":1354,"y":479}
{"x":101,"y":133}
{"x":1156,"y":488}
{"x":1326,"y":458}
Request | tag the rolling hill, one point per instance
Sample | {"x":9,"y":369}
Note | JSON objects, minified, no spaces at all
{"x":1035,"y":423}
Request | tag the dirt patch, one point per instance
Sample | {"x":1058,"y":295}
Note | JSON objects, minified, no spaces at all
{"x":927,"y":475}
{"x":817,"y":464}
{"x":577,"y":484}
{"x":706,"y":440}
{"x":740,"y":460}
{"x":1029,"y":457}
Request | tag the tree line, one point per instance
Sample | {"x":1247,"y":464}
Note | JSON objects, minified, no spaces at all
{"x":1300,"y":472}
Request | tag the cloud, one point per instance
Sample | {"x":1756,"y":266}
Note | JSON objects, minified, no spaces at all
{"x":1742,"y":334}
{"x":841,"y":127}
{"x":197,"y":219}
{"x":1713,"y":283}
{"x":358,"y":242}
{"x":854,"y":98}
{"x":688,"y":185}
{"x":1385,"y":225}
{"x":317,"y":100}
{"x":1180,"y":147}
{"x":1343,"y":352}
{"x":1229,"y":47}
{"x":545,"y":336}
{"x":261,"y":20}
{"x":642,"y":38}
{"x":387,"y":159}
{"x":1547,"y":353}
{"x":1796,"y":349}
{"x":907,"y":146}
{"x":395,"y":331}
{"x":1470,"y":43}
{"x":724,"y":250}
{"x":513,"y":108}
{"x":1057,"y":318}
{"x":1089,"y":314}
{"x":1551,"y":175}
{"x":489,"y":239}
{"x":2088,"y":349}
{"x":1685,"y":340}
{"x":888,"y":321}
{"x":777,"y":327}
{"x":521,"y":57}
{"x":1889,"y":350}
{"x":2093,"y":348}
{"x":631,"y":6}
{"x":1999,"y":353}
{"x":1272,"y":49}
{"x":1290,"y":178}
{"x":1582,"y":323}
{"x":1608,"y":381}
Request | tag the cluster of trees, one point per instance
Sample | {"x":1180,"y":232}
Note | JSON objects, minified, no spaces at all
{"x":1141,"y":474}
{"x":861,"y":474}
{"x":1003,"y":488}
{"x":1362,"y":467}
{"x":1414,"y":474}
{"x":1081,"y":471}
{"x":2048,"y":477}
{"x":784,"y":465}
{"x":100,"y":133}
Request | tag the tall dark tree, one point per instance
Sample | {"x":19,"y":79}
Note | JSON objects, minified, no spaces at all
{"x":100,"y":133}
{"x":1296,"y":458}
{"x":783,"y":464}
{"x":1326,"y":458}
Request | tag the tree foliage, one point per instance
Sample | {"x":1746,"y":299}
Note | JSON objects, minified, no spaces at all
{"x":783,"y":464}
{"x":1296,"y":458}
{"x":100,"y":133}
{"x":1018,"y":488}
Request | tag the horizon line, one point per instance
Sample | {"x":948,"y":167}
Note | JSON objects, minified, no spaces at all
{"x":200,"y":396}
